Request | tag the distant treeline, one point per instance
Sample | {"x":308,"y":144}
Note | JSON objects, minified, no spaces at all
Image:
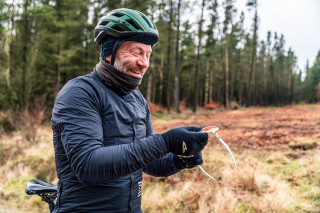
{"x":210,"y":56}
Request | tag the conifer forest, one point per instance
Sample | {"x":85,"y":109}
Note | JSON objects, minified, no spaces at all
{"x":202,"y":57}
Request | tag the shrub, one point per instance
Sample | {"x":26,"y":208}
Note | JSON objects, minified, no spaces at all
{"x":7,"y":124}
{"x":31,"y":118}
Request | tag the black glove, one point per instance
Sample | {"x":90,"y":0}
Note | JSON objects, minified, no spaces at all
{"x":187,"y":162}
{"x":185,"y":140}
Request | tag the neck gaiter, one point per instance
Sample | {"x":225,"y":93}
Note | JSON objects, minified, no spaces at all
{"x":122,"y":82}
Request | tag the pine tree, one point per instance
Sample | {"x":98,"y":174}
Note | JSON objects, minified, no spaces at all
{"x":253,"y":4}
{"x":198,"y":59}
{"x":177,"y":76}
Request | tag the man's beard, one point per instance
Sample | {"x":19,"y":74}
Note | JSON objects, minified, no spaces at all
{"x":120,"y":66}
{"x":125,"y":67}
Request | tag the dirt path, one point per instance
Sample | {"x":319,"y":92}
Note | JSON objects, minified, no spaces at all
{"x":253,"y":128}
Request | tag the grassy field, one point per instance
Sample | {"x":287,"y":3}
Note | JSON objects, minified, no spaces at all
{"x":278,"y":165}
{"x":265,"y":181}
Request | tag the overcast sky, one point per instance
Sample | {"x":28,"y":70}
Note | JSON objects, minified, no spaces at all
{"x":297,"y":20}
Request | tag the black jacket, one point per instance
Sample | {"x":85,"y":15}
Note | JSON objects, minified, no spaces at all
{"x":102,"y":144}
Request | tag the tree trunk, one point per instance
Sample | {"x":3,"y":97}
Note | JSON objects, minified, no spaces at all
{"x":169,"y":57}
{"x":58,"y":75}
{"x":253,"y":56}
{"x":198,"y":58}
{"x":150,"y":77}
{"x":291,"y":84}
{"x":26,"y":39}
{"x":206,"y":95}
{"x":177,"y":77}
{"x":161,"y":77}
{"x":58,"y":63}
{"x":226,"y":75}
{"x":149,"y":88}
{"x":211,"y":71}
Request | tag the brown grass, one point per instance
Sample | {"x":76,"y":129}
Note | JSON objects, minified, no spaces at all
{"x":252,"y":187}
{"x":25,"y":161}
{"x":273,"y":178}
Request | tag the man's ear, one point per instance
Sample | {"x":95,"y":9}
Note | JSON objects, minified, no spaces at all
{"x":108,"y":59}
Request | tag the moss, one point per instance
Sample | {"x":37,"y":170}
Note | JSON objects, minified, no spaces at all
{"x":298,"y":207}
{"x":260,"y":155}
{"x":283,"y":167}
{"x":243,"y":208}
{"x":269,"y":161}
{"x":304,"y":145}
{"x":316,"y":199}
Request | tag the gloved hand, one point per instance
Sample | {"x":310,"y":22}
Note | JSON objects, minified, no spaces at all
{"x":187,"y":162}
{"x":185,"y":140}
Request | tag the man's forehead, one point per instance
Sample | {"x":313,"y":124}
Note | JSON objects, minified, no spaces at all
{"x":134,"y":44}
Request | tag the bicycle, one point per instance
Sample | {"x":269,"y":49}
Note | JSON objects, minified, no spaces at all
{"x":47,"y":191}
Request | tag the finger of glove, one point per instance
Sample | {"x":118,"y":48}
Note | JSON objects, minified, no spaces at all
{"x":194,"y":147}
{"x":199,"y":161}
{"x":199,"y":141}
{"x":194,"y":162}
{"x":200,"y":136}
{"x":178,"y":162}
{"x":199,"y":146}
{"x":197,"y":156}
{"x":193,"y":128}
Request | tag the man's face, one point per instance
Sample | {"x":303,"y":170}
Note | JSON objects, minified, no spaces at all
{"x":132,"y":58}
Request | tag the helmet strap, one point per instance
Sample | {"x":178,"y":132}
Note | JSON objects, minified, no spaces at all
{"x":113,"y":57}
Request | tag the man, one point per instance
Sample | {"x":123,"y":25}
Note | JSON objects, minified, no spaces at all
{"x":102,"y":132}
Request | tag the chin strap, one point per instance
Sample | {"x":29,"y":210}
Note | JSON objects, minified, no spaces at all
{"x":113,"y":57}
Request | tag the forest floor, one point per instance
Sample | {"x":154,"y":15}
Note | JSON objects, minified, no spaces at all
{"x":276,"y":149}
{"x":278,"y":157}
{"x":270,"y":128}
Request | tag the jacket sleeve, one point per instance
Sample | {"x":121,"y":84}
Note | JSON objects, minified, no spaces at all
{"x":76,"y":116}
{"x":164,"y":166}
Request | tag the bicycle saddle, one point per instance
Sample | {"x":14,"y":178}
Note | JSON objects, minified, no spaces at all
{"x":39,"y":187}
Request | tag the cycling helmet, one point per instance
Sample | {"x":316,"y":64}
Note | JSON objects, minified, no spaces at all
{"x":125,"y":23}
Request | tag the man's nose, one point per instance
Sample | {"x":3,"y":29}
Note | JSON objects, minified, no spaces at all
{"x":143,"y":62}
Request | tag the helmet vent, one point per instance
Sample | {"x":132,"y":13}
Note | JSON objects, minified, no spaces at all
{"x":146,"y":20}
{"x":118,"y":14}
{"x":134,"y":24}
{"x":117,"y":28}
{"x":104,"y":23}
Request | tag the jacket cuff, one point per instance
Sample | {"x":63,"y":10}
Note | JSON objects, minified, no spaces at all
{"x":175,"y":168}
{"x":162,"y":143}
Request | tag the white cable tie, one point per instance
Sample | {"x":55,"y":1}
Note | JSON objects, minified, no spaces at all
{"x":213,"y":130}
{"x":206,"y":172}
{"x":226,"y":147}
